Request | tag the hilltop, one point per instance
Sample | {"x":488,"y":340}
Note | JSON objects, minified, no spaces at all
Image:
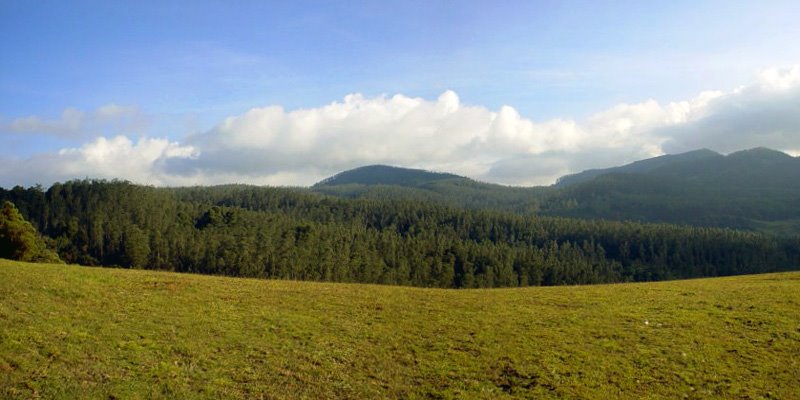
{"x":386,"y":175}
{"x":381,"y":182}
{"x":70,"y":332}
{"x":756,"y":189}
{"x":758,"y":167}
{"x":642,"y":166}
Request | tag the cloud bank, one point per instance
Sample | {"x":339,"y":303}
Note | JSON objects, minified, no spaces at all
{"x":270,"y":145}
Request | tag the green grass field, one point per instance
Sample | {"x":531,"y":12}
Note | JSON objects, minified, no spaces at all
{"x":78,"y":332}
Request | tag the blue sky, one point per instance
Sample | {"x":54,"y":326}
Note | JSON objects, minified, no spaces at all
{"x":79,"y":74}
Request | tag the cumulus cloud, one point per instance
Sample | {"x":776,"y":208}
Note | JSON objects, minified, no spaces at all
{"x":271,"y":145}
{"x":441,"y":134}
{"x":115,"y":158}
{"x":75,"y":124}
{"x":764,"y":113}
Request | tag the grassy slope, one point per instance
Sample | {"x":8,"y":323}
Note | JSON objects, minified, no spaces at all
{"x":83,"y":332}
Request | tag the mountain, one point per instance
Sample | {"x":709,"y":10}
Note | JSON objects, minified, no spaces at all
{"x":381,"y":182}
{"x":754,"y":168}
{"x":385,"y":175}
{"x":641,"y":167}
{"x":756,"y":189}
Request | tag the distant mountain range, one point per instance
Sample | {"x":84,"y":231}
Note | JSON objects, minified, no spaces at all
{"x":756,"y":189}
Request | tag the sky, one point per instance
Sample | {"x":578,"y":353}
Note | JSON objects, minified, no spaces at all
{"x":288,"y":93}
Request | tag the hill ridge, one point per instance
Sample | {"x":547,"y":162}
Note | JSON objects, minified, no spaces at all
{"x":381,"y":174}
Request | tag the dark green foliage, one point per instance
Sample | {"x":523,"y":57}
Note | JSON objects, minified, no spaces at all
{"x":756,"y":189}
{"x":135,"y":247}
{"x":386,"y":175}
{"x":382,"y":183}
{"x":251,"y":231}
{"x":217,"y":216}
{"x":19,"y":239}
{"x":642,"y":166}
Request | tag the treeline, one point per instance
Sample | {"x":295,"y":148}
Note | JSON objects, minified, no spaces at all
{"x":252,"y":231}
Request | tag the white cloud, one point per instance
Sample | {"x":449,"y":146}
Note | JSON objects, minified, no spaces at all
{"x":270,"y":145}
{"x":779,"y":80}
{"x":764,"y":113}
{"x":115,"y":158}
{"x":74,"y":123}
{"x":441,"y":134}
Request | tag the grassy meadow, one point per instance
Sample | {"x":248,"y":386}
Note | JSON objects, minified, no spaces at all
{"x":79,"y":332}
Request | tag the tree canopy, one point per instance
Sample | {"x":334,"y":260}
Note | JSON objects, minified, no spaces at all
{"x":19,"y":240}
{"x":251,"y":231}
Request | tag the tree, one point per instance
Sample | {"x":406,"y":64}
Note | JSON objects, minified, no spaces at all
{"x":135,"y":248}
{"x":19,"y":239}
{"x":294,"y":234}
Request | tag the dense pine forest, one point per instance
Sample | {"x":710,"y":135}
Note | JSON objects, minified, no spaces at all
{"x":250,"y":231}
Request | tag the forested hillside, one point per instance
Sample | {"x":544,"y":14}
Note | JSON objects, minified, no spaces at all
{"x":386,"y":175}
{"x":296,"y":234}
{"x":757,"y":189}
{"x":380,"y":182}
{"x":642,"y":166}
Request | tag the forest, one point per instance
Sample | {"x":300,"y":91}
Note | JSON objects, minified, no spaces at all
{"x":298,"y":234}
{"x":755,"y":190}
